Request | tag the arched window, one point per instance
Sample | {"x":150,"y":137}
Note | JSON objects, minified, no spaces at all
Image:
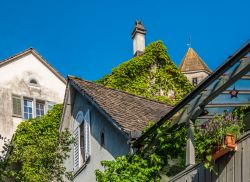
{"x":33,"y":81}
{"x":82,"y":139}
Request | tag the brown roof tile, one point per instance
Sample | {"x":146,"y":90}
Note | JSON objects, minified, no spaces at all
{"x":193,"y":62}
{"x":128,"y":111}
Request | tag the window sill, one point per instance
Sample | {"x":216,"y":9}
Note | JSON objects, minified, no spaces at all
{"x":81,"y":168}
{"x":36,"y":86}
{"x":16,"y":116}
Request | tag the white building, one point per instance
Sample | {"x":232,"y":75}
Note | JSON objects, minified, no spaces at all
{"x":29,"y":87}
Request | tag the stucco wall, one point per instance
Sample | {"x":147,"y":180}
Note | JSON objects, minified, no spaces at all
{"x":201,"y":75}
{"x":14,"y":79}
{"x":115,"y":143}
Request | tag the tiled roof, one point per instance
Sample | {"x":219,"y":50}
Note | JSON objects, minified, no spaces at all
{"x":128,"y":111}
{"x":193,"y":62}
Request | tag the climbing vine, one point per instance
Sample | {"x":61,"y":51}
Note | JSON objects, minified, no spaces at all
{"x":37,"y":150}
{"x":163,"y":153}
{"x":155,"y":76}
{"x":152,"y":74}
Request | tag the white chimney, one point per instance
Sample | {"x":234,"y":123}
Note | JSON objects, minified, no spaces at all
{"x":138,"y":36}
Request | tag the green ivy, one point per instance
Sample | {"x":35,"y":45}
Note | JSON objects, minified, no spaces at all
{"x":37,"y":150}
{"x":148,"y":75}
{"x":151,"y":75}
{"x":163,"y":153}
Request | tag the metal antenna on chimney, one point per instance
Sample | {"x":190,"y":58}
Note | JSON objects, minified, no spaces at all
{"x":189,"y":41}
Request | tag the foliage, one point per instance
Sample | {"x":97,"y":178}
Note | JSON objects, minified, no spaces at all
{"x":155,"y":76}
{"x":152,"y":75}
{"x":5,"y":142}
{"x":148,"y":163}
{"x":211,"y":134}
{"x":240,"y":112}
{"x":37,"y":150}
{"x":164,"y":150}
{"x":130,"y":169}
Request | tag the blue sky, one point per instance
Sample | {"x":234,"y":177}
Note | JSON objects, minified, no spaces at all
{"x":89,"y":38}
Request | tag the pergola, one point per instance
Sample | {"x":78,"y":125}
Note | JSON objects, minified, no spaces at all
{"x":225,"y":89}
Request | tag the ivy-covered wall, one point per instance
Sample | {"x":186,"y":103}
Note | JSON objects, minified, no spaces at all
{"x":152,"y":74}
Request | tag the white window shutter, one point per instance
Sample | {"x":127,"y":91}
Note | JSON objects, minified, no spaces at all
{"x":87,"y":134}
{"x":77,"y":148}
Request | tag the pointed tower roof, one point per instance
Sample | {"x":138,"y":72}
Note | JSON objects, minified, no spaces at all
{"x":193,"y":62}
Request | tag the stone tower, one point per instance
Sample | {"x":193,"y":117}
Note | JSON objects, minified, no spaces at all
{"x":193,"y":67}
{"x":138,"y":36}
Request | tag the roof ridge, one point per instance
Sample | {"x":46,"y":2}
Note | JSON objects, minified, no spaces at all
{"x":70,"y":76}
{"x":38,"y":56}
{"x":17,"y":54}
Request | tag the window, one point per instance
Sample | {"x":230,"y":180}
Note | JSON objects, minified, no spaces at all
{"x":102,"y":139}
{"x":33,"y":81}
{"x":39,"y":108}
{"x":24,"y":107}
{"x":195,"y":81}
{"x":50,"y":105}
{"x":17,"y":106}
{"x":27,"y":108}
{"x":82,"y":139}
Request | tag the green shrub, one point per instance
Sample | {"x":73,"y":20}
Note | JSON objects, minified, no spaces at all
{"x":37,"y":150}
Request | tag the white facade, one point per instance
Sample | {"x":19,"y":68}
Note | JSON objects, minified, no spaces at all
{"x":27,"y":76}
{"x":198,"y":75}
{"x":138,"y":43}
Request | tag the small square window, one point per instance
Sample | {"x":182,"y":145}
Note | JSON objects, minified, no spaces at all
{"x":195,"y":81}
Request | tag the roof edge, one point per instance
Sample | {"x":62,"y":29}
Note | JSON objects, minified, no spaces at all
{"x":202,"y":62}
{"x":38,"y":56}
{"x":79,"y":88}
{"x":159,"y":102}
